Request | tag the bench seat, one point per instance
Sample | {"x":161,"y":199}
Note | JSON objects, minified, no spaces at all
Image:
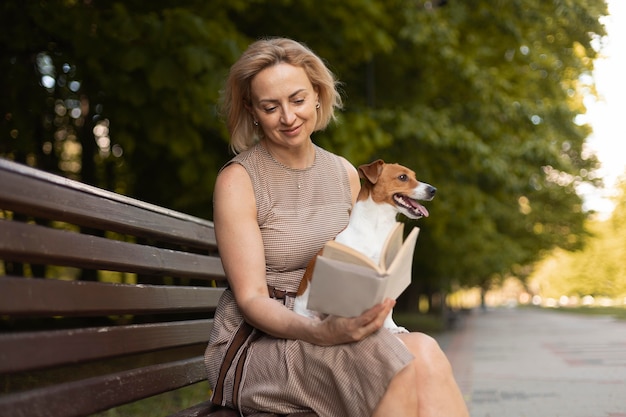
{"x":104,"y":299}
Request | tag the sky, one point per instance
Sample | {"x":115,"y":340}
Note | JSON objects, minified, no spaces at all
{"x":607,"y":114}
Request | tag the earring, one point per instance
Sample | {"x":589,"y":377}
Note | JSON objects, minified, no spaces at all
{"x":256,"y":123}
{"x":317,"y":106}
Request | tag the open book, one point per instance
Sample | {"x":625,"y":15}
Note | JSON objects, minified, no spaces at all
{"x":345,"y":282}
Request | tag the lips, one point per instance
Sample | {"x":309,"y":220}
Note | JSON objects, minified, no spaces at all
{"x":411,"y":205}
{"x":291,"y":132}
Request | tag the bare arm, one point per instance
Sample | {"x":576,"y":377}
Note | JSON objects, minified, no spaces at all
{"x":241,"y":250}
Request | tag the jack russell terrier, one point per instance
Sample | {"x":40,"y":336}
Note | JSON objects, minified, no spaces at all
{"x":386,"y":190}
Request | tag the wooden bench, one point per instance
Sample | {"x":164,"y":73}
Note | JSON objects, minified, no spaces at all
{"x":104,"y":299}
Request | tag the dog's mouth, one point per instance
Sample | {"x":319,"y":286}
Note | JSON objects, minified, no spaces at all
{"x":411,"y":205}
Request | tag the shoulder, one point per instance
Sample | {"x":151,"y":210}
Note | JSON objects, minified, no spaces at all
{"x":350,"y":170}
{"x":233,"y":180}
{"x":234,"y":176}
{"x":341,"y":161}
{"x":233,"y":195}
{"x":232,"y":171}
{"x":238,"y":168}
{"x":353,"y":177}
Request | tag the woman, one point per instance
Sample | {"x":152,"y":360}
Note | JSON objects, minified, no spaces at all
{"x":275,"y":205}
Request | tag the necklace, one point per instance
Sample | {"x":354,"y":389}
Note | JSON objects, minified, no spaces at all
{"x":298,"y":175}
{"x":309,"y":159}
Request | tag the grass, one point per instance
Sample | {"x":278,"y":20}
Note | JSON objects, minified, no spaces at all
{"x":617,"y":312}
{"x":415,"y":322}
{"x":157,"y":406}
{"x":164,"y":404}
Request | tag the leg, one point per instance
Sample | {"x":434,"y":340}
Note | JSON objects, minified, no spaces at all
{"x":401,"y":397}
{"x":426,"y":387}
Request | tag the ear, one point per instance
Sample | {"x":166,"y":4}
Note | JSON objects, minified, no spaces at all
{"x":371,"y":171}
{"x":250,"y":111}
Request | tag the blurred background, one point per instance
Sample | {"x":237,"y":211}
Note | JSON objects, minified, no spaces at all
{"x":501,"y":104}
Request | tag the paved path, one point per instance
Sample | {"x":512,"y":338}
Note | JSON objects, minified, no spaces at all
{"x":537,"y":363}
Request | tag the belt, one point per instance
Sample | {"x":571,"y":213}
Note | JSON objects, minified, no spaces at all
{"x":280,"y":294}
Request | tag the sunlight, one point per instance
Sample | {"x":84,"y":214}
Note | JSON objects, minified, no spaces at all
{"x":606,"y":114}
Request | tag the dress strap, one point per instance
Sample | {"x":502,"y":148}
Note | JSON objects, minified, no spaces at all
{"x":239,"y":342}
{"x":237,"y":352}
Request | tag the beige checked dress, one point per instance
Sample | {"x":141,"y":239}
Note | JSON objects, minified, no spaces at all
{"x":298,"y":211}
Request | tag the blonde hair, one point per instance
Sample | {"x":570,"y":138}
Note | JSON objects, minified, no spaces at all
{"x":263,"y":54}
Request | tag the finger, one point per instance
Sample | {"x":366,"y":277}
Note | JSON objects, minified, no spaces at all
{"x":375,"y":317}
{"x":379,"y":320}
{"x":379,"y":314}
{"x":382,"y":308}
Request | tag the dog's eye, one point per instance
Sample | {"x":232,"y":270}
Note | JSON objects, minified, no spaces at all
{"x":403,"y":178}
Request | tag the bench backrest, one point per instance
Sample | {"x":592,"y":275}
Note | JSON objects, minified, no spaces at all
{"x":104,"y":299}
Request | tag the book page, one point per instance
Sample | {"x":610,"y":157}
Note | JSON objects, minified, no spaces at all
{"x":344,"y":253}
{"x":349,"y":288}
{"x":392,"y":245}
{"x":401,"y":267}
{"x":344,"y":289}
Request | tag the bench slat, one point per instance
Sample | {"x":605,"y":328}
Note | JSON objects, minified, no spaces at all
{"x":37,"y":350}
{"x":29,"y":191}
{"x":50,"y":297}
{"x":88,"y":396}
{"x":42,"y":245}
{"x":61,"y":354}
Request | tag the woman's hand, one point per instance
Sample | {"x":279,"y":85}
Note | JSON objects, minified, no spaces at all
{"x":334,"y":330}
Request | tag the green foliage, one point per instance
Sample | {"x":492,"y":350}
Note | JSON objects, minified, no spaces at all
{"x":615,"y":312}
{"x":480,"y":98}
{"x":164,"y":404}
{"x":152,"y":70}
{"x":597,"y":270}
{"x":494,"y":90}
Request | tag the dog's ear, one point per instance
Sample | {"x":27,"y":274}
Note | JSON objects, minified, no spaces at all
{"x":371,"y":171}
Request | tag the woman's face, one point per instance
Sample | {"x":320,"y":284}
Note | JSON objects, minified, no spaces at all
{"x":284,"y":103}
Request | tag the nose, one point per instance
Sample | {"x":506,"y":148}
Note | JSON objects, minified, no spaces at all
{"x":431,"y":191}
{"x":287,"y":116}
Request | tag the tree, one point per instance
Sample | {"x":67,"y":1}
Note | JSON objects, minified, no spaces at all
{"x":482,"y":98}
{"x":479,"y":98}
{"x":597,"y":269}
{"x":145,"y":76}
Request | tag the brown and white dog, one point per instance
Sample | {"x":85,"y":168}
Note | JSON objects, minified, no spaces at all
{"x":386,"y":190}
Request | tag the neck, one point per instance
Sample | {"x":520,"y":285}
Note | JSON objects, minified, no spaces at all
{"x":371,"y":217}
{"x":369,"y":225}
{"x":301,"y":157}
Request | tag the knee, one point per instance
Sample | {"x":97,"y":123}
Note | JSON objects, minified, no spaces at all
{"x":427,"y":353}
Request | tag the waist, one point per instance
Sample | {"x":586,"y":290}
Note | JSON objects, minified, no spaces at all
{"x":279,"y":294}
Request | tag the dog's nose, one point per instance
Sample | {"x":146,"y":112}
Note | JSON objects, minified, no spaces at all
{"x":431,"y":191}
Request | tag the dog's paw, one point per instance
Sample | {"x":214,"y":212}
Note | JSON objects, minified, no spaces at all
{"x":313,"y":315}
{"x":398,"y":330}
{"x":307,"y":313}
{"x":299,"y":307}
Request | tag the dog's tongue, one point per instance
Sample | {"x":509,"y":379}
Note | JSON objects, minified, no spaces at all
{"x":419,"y":208}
